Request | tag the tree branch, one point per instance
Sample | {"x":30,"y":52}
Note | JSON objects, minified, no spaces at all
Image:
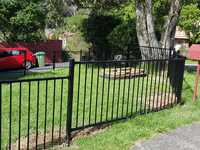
{"x":141,"y":23}
{"x":171,"y":22}
{"x":150,"y":24}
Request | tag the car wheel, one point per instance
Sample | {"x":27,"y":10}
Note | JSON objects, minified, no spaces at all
{"x":27,"y":64}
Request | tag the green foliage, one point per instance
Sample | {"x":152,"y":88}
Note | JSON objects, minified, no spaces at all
{"x":21,"y":20}
{"x":160,"y":10}
{"x":55,"y":36}
{"x":65,"y":56}
{"x":77,"y":43}
{"x":124,"y":36}
{"x":54,"y":15}
{"x":83,"y":12}
{"x":73,"y":23}
{"x":95,"y":30}
{"x":189,"y":21}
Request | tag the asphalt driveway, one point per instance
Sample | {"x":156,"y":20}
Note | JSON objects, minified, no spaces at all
{"x":33,"y":70}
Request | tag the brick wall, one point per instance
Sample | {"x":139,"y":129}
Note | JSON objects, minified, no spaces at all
{"x":49,"y":45}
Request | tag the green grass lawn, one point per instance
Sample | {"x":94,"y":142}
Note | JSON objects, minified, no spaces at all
{"x":121,"y":134}
{"x":189,"y":61}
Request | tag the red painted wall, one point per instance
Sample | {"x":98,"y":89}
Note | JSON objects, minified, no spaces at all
{"x":48,"y":47}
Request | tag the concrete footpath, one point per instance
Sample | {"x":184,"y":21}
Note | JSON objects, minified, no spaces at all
{"x":184,"y":138}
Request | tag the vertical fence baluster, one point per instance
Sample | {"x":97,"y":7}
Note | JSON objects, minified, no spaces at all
{"x":10,"y":116}
{"x":29,"y":102}
{"x":156,"y":69}
{"x":108,"y":92}
{"x":54,"y":95}
{"x":61,"y":98}
{"x":159,"y":72}
{"x":45,"y":119}
{"x":170,"y":74}
{"x":113,"y":92}
{"x":85,"y":93}
{"x":147,"y":74}
{"x":97,"y":94}
{"x":38,"y":92}
{"x":20,"y":101}
{"x":91,"y":94}
{"x":152,"y":70}
{"x":163,"y":83}
{"x":70,"y":100}
{"x":142,"y":87}
{"x":138,"y":88}
{"x":119,"y":90}
{"x":133,"y":89}
{"x":124,"y":90}
{"x":128,"y":91}
{"x":79,"y":74}
{"x":102,"y":90}
{"x":166,"y":82}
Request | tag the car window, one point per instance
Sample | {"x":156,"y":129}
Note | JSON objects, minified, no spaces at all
{"x":15,"y":52}
{"x":4,"y":54}
{"x":22,"y":51}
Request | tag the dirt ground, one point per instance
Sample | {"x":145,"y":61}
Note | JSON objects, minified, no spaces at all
{"x":91,"y":131}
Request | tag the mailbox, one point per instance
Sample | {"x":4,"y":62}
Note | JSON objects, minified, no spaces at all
{"x":194,"y":53}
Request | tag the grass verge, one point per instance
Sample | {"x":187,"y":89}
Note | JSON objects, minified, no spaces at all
{"x":189,"y":61}
{"x":122,"y":134}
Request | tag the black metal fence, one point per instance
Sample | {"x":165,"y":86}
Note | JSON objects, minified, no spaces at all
{"x":44,"y":112}
{"x":60,"y":59}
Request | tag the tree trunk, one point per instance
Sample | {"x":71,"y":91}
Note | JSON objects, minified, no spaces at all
{"x":146,"y":31}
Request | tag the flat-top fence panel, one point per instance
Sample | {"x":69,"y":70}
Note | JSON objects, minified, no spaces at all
{"x":114,"y":90}
{"x":33,"y":112}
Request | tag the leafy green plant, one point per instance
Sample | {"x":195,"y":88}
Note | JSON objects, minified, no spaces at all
{"x":20,"y":21}
{"x":76,"y":43}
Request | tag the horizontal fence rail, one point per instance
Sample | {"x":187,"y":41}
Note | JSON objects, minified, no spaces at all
{"x":60,"y":59}
{"x":44,"y":112}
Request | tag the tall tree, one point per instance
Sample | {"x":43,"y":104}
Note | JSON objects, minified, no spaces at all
{"x":20,"y":21}
{"x":189,"y":22}
{"x":145,"y":21}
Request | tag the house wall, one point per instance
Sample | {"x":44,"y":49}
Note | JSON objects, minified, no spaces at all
{"x":182,"y":45}
{"x":48,"y":47}
{"x":181,"y":42}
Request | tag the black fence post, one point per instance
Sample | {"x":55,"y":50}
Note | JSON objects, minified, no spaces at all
{"x":81,"y":55}
{"x":70,"y":100}
{"x":54,"y":58}
{"x":170,"y":52}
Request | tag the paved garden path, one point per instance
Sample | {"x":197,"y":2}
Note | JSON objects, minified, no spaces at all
{"x":33,"y":70}
{"x":183,"y":138}
{"x":191,"y":66}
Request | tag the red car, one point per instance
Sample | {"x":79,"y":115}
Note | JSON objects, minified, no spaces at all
{"x":15,"y":58}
